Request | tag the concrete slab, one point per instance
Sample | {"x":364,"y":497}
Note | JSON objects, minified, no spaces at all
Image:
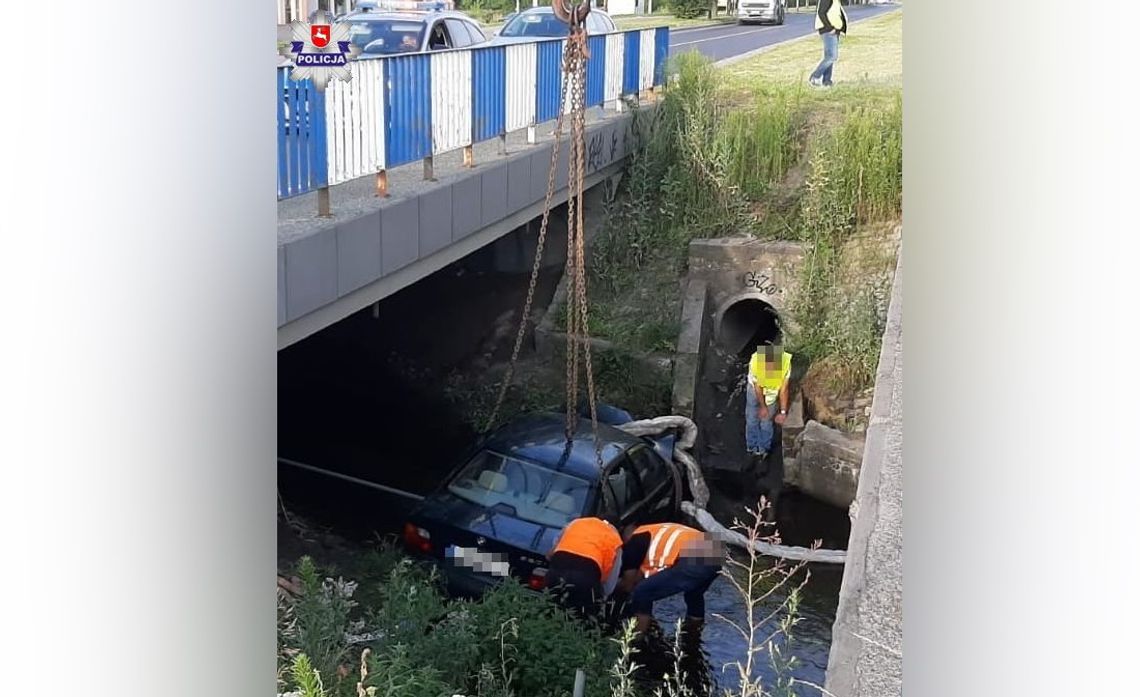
{"x":866,"y":649}
{"x":494,"y":192}
{"x":282,"y":298}
{"x":310,"y":273}
{"x":466,"y":206}
{"x":358,"y":252}
{"x":519,"y":192}
{"x":399,"y":235}
{"x":435,"y":220}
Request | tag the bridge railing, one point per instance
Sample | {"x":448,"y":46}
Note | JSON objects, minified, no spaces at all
{"x":400,"y":109}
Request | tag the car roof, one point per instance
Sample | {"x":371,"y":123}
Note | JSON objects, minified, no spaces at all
{"x":541,"y":438}
{"x":547,"y":9}
{"x":404,"y":15}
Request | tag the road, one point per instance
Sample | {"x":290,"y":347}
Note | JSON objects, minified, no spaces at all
{"x":725,"y":41}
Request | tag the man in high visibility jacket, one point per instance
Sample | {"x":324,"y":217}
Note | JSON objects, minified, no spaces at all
{"x":766,"y":397}
{"x":665,"y":559}
{"x":830,"y":22}
{"x":585,"y":563}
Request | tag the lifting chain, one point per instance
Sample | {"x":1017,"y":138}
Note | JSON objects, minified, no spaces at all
{"x":577,"y":327}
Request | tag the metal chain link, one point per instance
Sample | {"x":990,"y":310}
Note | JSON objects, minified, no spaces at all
{"x":577,"y":314}
{"x":537,"y":260}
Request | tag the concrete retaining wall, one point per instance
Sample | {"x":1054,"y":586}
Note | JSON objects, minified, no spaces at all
{"x":866,"y":646}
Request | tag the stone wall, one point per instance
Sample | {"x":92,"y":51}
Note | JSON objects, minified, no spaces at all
{"x":866,"y":647}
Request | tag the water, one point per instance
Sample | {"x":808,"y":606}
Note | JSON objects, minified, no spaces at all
{"x":349,"y":401}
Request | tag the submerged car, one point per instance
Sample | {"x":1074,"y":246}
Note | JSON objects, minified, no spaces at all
{"x":500,"y":512}
{"x":536,"y":23}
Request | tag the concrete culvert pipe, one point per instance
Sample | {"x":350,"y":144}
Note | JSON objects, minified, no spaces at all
{"x":747,"y":323}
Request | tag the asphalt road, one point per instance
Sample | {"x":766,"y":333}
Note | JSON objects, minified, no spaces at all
{"x":725,"y":41}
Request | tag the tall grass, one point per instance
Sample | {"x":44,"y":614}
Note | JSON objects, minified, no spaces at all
{"x":717,"y":159}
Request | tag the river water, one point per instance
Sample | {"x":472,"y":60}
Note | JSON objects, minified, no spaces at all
{"x":348,"y":401}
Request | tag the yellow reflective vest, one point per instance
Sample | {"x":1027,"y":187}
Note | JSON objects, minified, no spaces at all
{"x":832,"y":12}
{"x":770,"y":380}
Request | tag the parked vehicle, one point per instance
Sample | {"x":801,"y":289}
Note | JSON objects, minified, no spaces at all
{"x":540,"y":23}
{"x":385,"y":28}
{"x":502,"y":509}
{"x":769,"y":11}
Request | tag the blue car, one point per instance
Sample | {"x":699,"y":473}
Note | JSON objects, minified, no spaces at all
{"x":500,"y":512}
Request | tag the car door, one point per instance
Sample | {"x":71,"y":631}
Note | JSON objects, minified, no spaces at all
{"x":476,"y":33}
{"x":621,"y":495}
{"x":658,"y":484}
{"x":457,"y":30}
{"x":437,"y":37}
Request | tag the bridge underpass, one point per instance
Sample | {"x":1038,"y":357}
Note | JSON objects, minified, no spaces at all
{"x":368,"y":396}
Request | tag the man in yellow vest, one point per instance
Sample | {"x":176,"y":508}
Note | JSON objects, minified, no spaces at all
{"x":766,"y":399}
{"x":585,"y":563}
{"x":665,"y":559}
{"x":830,"y":22}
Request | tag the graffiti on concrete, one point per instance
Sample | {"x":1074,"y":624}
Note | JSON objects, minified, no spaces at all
{"x":761,"y":282}
{"x":595,"y":153}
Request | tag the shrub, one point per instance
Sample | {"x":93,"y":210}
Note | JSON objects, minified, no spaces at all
{"x":689,"y":9}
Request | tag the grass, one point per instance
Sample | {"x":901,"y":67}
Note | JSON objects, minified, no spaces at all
{"x":752,"y":150}
{"x":408,"y":639}
{"x":870,"y":55}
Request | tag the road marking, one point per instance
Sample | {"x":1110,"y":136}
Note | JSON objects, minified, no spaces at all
{"x":758,"y":30}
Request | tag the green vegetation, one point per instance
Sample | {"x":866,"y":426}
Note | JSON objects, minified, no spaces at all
{"x":753,"y":150}
{"x":410,"y":640}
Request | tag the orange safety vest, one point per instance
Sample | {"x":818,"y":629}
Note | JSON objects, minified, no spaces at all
{"x":666,"y":542}
{"x":592,"y":538}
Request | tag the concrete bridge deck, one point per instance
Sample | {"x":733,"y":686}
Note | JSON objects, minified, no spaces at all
{"x":371,"y":247}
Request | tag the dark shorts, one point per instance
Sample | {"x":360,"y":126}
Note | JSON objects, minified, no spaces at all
{"x":576,"y":581}
{"x":690,"y":578}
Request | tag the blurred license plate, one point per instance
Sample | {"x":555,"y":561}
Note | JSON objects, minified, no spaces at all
{"x":481,"y":562}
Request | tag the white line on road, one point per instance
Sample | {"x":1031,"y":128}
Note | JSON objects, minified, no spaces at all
{"x":758,"y":30}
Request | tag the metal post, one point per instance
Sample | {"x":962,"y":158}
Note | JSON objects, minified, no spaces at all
{"x":323,"y":207}
{"x":503,"y":144}
{"x":382,"y":183}
{"x":579,"y":683}
{"x":469,"y":156}
{"x":530,"y":135}
{"x":429,"y":169}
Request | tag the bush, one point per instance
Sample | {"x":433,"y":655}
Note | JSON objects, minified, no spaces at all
{"x":689,"y":9}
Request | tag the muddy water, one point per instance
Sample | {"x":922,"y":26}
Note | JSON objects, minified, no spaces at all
{"x":349,"y":401}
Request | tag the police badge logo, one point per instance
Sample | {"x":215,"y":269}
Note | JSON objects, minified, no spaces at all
{"x":320,"y":51}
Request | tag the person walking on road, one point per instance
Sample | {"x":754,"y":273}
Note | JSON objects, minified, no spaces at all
{"x":664,"y":559}
{"x":584,"y":564}
{"x":830,"y":22}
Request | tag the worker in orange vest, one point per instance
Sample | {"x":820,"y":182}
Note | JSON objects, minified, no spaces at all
{"x":585,"y":563}
{"x":665,"y":559}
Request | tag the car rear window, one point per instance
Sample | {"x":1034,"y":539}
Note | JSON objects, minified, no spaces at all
{"x":536,"y":24}
{"x":387,"y":36}
{"x":521,"y":489}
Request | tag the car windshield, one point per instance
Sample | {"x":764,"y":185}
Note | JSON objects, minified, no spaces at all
{"x":535,"y":24}
{"x":520,"y":489}
{"x":387,"y":36}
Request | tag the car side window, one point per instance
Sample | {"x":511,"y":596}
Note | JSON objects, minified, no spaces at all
{"x":650,"y":469}
{"x":460,"y":37}
{"x":477,"y":35}
{"x":624,"y":487}
{"x":439,"y":39}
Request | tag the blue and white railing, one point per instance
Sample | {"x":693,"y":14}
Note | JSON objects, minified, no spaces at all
{"x":400,"y":109}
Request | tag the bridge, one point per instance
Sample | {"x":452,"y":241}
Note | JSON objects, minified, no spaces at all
{"x":358,"y":219}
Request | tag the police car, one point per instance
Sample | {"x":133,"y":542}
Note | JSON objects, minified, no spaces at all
{"x":393,"y":27}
